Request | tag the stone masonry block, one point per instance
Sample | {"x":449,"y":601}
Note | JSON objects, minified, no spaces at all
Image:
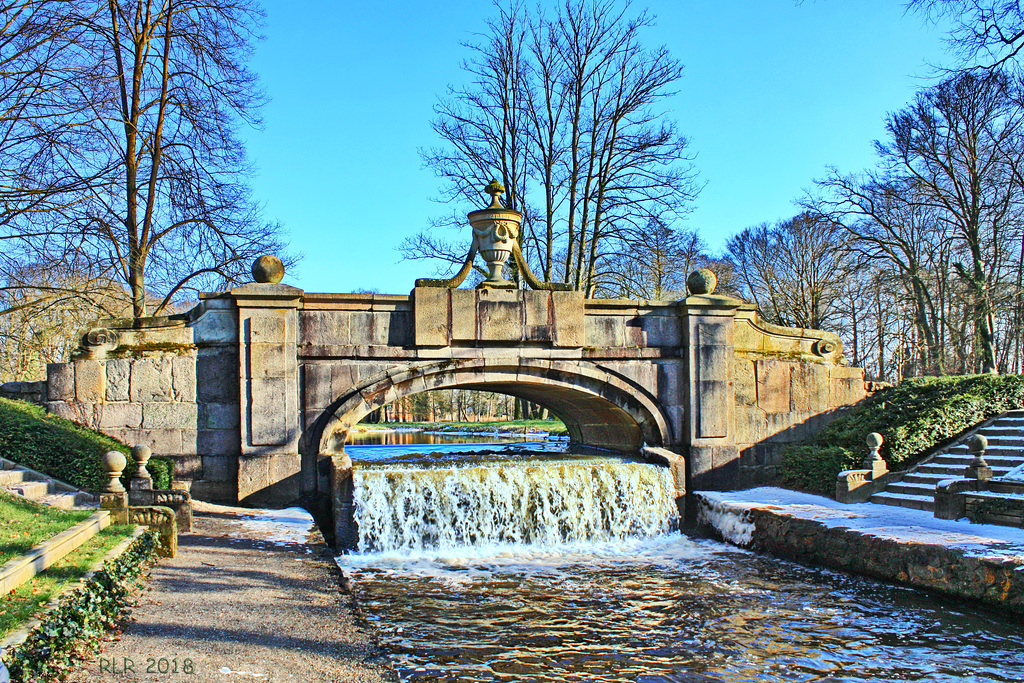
{"x":268,"y":326}
{"x":118,"y":374}
{"x":269,"y":360}
{"x":60,"y":381}
{"x":219,"y":468}
{"x":809,"y":390}
{"x":162,"y":441}
{"x":81,"y":413}
{"x":169,"y":416}
{"x":744,"y":382}
{"x":119,"y":415}
{"x":183,"y":371}
{"x":151,"y":380}
{"x":325,"y":328}
{"x":316,"y":385}
{"x":773,"y":385}
{"x":89,"y":381}
{"x":219,"y":416}
{"x":189,"y":441}
{"x":217,"y":376}
{"x":226,"y":442}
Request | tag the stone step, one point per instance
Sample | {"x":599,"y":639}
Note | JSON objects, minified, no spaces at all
{"x":929,"y":478}
{"x":905,"y":500}
{"x":952,"y":460}
{"x":68,"y":500}
{"x":911,"y":488}
{"x":994,"y":450}
{"x":31,"y":489}
{"x":14,"y":477}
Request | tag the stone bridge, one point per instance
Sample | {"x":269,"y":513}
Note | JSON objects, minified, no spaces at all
{"x":254,"y":391}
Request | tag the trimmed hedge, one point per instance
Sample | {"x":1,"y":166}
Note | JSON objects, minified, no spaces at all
{"x":65,"y":450}
{"x":81,"y":617}
{"x":914,"y":417}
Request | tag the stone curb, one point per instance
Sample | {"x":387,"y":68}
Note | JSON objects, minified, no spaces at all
{"x":19,"y":636}
{"x":21,"y":569}
{"x":995,"y":581}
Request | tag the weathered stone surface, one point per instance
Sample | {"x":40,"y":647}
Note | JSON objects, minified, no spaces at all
{"x":220,"y":468}
{"x":605,"y":330}
{"x":217,"y":376}
{"x":118,"y":375}
{"x":218,"y":416}
{"x":170,"y":416}
{"x":82,"y":413}
{"x":162,"y":441}
{"x":809,"y":387}
{"x":773,"y":386}
{"x":744,"y":382}
{"x":89,"y":381}
{"x":268,"y":425}
{"x":60,"y":381}
{"x":183,"y":371}
{"x":151,"y":380}
{"x":326,"y":328}
{"x":226,"y":442}
{"x":119,"y":415}
{"x":216,"y":326}
{"x":430,"y":305}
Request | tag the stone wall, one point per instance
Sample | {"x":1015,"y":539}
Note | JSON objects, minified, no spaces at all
{"x":33,"y":392}
{"x":254,"y":390}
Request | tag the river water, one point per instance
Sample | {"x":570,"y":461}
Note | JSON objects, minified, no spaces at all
{"x":518,"y":576}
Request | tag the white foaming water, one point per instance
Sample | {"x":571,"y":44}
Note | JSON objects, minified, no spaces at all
{"x":429,"y":512}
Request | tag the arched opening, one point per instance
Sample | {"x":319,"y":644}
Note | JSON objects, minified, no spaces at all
{"x":599,"y":409}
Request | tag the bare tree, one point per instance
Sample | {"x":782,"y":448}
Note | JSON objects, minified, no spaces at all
{"x":144,"y":150}
{"x":983,"y":33}
{"x":793,"y":271}
{"x":564,"y":110}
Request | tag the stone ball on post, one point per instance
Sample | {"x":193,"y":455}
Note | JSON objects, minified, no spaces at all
{"x":268,"y":269}
{"x":701,"y":282}
{"x":977,"y":444}
{"x":113,"y":463}
{"x":874,"y":441}
{"x":142,"y":454}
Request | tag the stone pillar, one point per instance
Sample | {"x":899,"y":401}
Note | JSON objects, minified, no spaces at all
{"x":713,"y":457}
{"x":269,"y":466}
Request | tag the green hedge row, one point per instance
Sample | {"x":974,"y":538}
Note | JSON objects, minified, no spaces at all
{"x":914,"y":417}
{"x":65,"y":450}
{"x":81,"y":617}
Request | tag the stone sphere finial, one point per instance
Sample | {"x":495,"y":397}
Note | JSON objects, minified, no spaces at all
{"x":142,"y":455}
{"x":268,"y":269}
{"x":874,"y":441}
{"x":977,"y":443}
{"x":701,"y":281}
{"x":494,"y":188}
{"x":114,"y":463}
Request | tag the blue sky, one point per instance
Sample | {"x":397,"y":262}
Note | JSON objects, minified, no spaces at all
{"x":774,"y":92}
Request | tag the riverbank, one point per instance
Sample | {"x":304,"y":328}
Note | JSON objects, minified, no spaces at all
{"x":978,"y":562}
{"x":250,"y":596}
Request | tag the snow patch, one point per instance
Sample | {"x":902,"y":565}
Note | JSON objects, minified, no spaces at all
{"x":291,"y":525}
{"x":902,"y":525}
{"x":730,"y":519}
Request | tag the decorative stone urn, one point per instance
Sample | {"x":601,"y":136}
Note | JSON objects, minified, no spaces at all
{"x":495,"y":230}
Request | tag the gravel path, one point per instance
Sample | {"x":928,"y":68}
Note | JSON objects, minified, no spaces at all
{"x":234,"y":606}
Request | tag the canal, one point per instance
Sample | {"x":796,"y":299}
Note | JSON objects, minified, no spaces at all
{"x":489,"y":562}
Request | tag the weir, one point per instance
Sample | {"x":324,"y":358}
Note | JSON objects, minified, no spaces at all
{"x":542,"y":504}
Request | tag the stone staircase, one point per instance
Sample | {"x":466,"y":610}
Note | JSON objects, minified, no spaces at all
{"x":22,"y":481}
{"x":1005,"y":452}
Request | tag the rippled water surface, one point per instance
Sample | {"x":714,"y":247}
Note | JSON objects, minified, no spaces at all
{"x":664,"y":608}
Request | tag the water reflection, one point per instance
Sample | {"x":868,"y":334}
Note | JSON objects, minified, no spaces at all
{"x":661,"y":609}
{"x":412,"y":437}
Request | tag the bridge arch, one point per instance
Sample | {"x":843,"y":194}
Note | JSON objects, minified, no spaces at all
{"x":599,"y":408}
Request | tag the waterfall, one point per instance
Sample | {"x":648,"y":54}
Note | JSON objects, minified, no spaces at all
{"x":409,"y":510}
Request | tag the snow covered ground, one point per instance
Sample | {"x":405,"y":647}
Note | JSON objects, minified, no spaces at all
{"x":882,"y":521}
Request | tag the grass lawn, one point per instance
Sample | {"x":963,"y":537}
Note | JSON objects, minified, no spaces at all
{"x":25,"y":524}
{"x":32,"y":596}
{"x":552,"y":426}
